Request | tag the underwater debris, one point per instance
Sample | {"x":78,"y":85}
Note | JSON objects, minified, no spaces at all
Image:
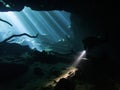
{"x":6,"y":22}
{"x":23,"y":34}
{"x":65,"y":74}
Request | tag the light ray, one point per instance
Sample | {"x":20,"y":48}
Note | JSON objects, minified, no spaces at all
{"x":51,"y":25}
{"x":80,"y":57}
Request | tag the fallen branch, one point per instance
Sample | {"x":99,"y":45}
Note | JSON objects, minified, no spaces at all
{"x":23,"y":34}
{"x":6,"y":22}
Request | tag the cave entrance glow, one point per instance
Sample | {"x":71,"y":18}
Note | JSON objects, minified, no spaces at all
{"x":53,"y":27}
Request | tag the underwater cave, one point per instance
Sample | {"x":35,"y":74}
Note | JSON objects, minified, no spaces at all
{"x":59,"y":45}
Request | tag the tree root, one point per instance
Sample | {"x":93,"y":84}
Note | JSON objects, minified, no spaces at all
{"x":23,"y":34}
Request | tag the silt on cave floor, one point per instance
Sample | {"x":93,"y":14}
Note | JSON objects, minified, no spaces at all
{"x":36,"y":70}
